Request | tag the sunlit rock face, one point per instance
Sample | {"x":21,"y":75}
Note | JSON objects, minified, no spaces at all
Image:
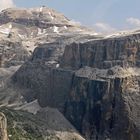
{"x":106,"y":53}
{"x":23,"y":30}
{"x":41,"y":16}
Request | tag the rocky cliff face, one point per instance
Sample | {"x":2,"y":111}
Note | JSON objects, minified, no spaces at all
{"x":95,"y":84}
{"x":103,"y":109}
{"x":94,"y":81}
{"x":106,"y":53}
{"x":21,"y":31}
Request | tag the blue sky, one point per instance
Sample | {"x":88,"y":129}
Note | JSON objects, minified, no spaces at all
{"x":100,"y":14}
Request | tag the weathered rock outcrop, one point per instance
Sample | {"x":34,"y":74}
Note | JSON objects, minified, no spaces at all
{"x":105,"y":109}
{"x":12,"y":53}
{"x":52,"y":85}
{"x":46,"y":61}
{"x":101,"y":100}
{"x":105,"y":53}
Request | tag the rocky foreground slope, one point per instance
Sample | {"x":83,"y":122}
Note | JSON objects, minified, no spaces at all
{"x":94,"y":81}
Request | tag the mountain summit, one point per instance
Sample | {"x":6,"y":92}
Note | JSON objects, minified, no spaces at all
{"x":26,"y":28}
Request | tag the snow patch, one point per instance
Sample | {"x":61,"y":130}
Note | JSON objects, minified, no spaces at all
{"x":10,"y":26}
{"x":57,"y":65}
{"x":94,"y":33}
{"x":119,"y":34}
{"x":66,"y":27}
{"x":41,"y":9}
{"x":51,"y":15}
{"x":39,"y":31}
{"x":55,"y":29}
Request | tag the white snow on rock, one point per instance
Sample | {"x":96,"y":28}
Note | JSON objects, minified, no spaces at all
{"x":116,"y":35}
{"x":10,"y":26}
{"x":41,"y":9}
{"x":51,"y":15}
{"x":94,"y":33}
{"x":122,"y":33}
{"x":65,"y":27}
{"x":57,"y":65}
{"x":55,"y":29}
{"x":39,"y":31}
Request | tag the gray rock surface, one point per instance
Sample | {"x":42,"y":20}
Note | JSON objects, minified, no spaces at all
{"x":22,"y":30}
{"x":101,"y":100}
{"x":93,"y":80}
{"x":105,"y":53}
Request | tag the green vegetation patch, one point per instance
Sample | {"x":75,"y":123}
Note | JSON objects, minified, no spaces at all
{"x":22,"y":125}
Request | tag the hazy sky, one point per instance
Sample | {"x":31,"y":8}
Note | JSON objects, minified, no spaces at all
{"x":104,"y":15}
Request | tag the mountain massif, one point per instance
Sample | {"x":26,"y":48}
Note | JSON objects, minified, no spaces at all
{"x":63,"y":81}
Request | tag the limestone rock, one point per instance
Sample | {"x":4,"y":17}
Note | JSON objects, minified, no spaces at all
{"x":103,"y":53}
{"x":96,"y":85}
{"x":94,"y":81}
